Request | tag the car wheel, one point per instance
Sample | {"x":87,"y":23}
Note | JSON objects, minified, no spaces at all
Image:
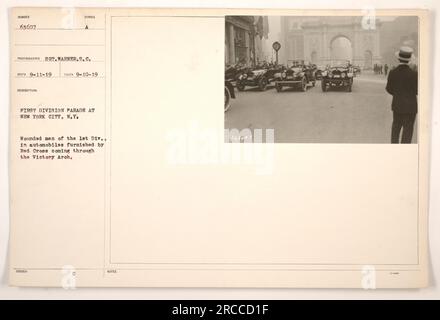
{"x":227,"y":99}
{"x":262,"y":84}
{"x":323,"y":85}
{"x":278,"y":87}
{"x":240,"y":86}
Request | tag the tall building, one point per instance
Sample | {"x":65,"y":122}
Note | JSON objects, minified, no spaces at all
{"x":243,"y":39}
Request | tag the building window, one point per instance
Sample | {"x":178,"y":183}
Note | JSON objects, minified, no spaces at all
{"x":241,"y":49}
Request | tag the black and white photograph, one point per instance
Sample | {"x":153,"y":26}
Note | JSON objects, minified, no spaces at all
{"x":332,"y":79}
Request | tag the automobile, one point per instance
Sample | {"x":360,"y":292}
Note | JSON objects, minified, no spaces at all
{"x":278,"y":71}
{"x":356,"y":70}
{"x":260,"y":77}
{"x":232,"y":72}
{"x":337,"y":75}
{"x":229,"y":94}
{"x":298,"y":75}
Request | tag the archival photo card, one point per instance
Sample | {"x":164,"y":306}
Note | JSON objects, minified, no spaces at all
{"x":125,"y":171}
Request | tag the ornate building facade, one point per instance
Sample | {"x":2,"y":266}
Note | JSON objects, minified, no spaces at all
{"x":243,"y":39}
{"x":313,"y":39}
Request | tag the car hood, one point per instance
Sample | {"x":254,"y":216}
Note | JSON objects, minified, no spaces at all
{"x":258,"y":72}
{"x":340,"y":69}
{"x":294,"y":70}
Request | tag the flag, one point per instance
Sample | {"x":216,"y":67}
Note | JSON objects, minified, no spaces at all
{"x":261,"y":24}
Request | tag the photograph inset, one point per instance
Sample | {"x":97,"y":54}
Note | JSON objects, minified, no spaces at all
{"x":322,"y":79}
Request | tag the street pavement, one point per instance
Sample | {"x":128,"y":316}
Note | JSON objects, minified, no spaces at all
{"x":361,"y":116}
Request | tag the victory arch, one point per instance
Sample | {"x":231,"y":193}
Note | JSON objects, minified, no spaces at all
{"x":318,"y":40}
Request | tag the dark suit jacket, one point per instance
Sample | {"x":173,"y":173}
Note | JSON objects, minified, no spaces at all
{"x":402,"y":84}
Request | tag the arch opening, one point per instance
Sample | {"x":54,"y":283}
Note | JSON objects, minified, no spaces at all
{"x":341,"y":49}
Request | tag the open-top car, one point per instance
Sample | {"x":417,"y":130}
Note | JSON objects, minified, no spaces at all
{"x":298,"y":75}
{"x":337,"y":75}
{"x":356,"y":70}
{"x":259,"y":77}
{"x":232,"y":72}
{"x":253,"y":78}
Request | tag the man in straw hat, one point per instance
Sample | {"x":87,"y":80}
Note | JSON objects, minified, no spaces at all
{"x":402,"y":85}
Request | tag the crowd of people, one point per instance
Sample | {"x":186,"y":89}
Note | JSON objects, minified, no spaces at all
{"x":381,"y":69}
